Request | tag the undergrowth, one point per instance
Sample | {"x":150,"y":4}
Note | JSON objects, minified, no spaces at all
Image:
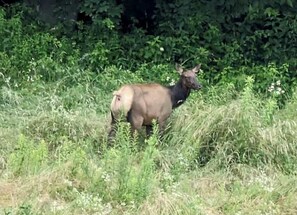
{"x":223,"y":152}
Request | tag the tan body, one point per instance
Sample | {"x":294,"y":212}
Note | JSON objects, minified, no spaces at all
{"x":145,"y":102}
{"x":140,"y":104}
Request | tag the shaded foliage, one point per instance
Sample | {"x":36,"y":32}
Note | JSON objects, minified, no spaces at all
{"x":232,"y":39}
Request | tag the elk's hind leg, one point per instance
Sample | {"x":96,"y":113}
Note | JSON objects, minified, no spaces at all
{"x":112,"y":131}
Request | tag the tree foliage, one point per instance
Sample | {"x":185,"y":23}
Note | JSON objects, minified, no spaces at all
{"x":232,"y":39}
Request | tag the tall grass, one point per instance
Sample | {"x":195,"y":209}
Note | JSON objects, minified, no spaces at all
{"x":222,"y":153}
{"x":247,"y":130}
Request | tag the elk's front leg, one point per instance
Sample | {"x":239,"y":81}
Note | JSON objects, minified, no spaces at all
{"x":149,"y":130}
{"x":136,"y":121}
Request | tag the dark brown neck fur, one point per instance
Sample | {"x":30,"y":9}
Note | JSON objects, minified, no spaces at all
{"x":179,"y":93}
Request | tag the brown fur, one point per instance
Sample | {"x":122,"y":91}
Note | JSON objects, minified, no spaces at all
{"x":146,"y":102}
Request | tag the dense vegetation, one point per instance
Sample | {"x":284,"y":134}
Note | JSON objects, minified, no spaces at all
{"x":230,"y":149}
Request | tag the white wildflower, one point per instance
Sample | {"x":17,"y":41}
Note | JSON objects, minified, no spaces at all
{"x":7,"y":80}
{"x":276,"y":88}
{"x":106,"y":177}
{"x":30,"y":79}
{"x":161,"y":49}
{"x":172,"y":82}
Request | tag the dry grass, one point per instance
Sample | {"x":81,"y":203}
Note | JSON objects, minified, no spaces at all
{"x":169,"y":203}
{"x":9,"y":194}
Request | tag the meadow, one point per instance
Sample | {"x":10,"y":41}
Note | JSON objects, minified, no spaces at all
{"x":223,"y":152}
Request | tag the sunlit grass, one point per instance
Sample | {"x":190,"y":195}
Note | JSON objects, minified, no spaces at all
{"x":219,"y":155}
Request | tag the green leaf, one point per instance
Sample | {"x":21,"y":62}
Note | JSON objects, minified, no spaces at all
{"x":290,"y":3}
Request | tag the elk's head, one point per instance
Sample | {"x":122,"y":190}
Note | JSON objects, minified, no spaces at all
{"x":189,"y":77}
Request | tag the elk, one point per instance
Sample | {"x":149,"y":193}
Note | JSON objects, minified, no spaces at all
{"x":140,"y":104}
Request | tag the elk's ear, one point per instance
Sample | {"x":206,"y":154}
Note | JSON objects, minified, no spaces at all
{"x":179,"y":69}
{"x":196,"y":68}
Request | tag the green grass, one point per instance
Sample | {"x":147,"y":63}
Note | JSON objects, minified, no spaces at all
{"x":223,"y":153}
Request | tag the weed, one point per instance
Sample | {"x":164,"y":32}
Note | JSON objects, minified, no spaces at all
{"x":227,"y":155}
{"x":29,"y":157}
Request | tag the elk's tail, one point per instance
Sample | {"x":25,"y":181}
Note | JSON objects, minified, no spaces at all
{"x":121,"y":102}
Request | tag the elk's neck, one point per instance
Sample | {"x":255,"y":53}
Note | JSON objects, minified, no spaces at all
{"x":179,"y":94}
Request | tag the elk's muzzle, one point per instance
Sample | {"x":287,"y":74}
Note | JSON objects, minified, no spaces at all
{"x":196,"y":86}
